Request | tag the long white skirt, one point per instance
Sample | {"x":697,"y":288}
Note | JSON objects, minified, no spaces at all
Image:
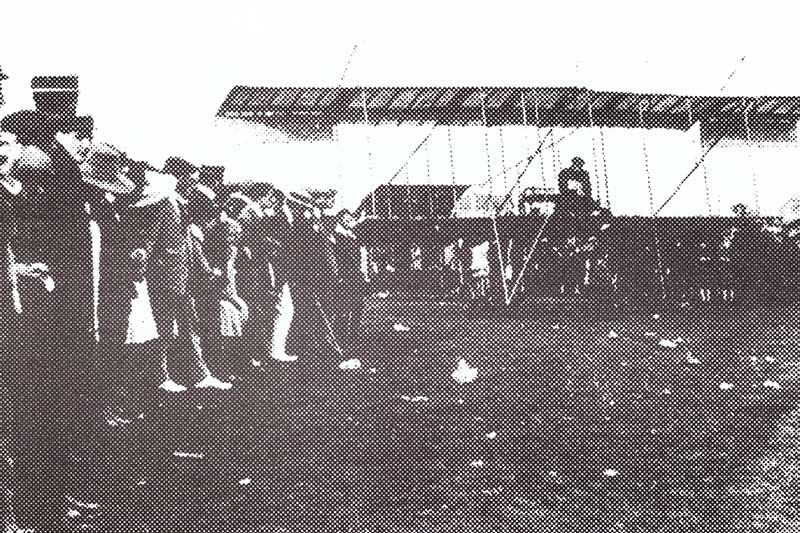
{"x":141,"y":322}
{"x":284,"y":314}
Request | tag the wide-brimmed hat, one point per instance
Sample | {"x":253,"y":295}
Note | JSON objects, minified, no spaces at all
{"x":105,"y":168}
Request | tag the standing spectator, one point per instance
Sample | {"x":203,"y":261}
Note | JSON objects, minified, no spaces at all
{"x":226,"y":310}
{"x":727,"y":275}
{"x":168,"y":245}
{"x":10,"y":188}
{"x":262,"y":277}
{"x":311,"y":271}
{"x":51,"y":298}
{"x":705,"y":270}
{"x":350,"y":282}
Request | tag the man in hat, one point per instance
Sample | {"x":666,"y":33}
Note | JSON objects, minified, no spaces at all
{"x":574,"y":186}
{"x":351,"y":282}
{"x":46,"y":329}
{"x":312,"y":272}
{"x":170,"y":249}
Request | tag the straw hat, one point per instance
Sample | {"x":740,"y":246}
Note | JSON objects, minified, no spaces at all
{"x":105,"y":168}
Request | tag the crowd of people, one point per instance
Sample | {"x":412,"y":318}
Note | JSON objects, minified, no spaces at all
{"x":104,"y":254}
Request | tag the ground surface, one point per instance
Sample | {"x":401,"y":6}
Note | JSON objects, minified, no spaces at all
{"x":568,"y":427}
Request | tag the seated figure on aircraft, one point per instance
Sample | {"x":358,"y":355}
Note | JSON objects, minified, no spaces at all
{"x":575,"y":188}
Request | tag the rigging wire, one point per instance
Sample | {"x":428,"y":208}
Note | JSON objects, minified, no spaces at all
{"x":709,"y":208}
{"x":491,"y":190}
{"x":369,"y":145}
{"x":659,"y":264}
{"x":428,"y":178}
{"x":452,"y":168}
{"x":749,"y":133}
{"x":605,"y":167}
{"x":503,"y":163}
{"x":539,"y":134}
{"x":685,"y":178}
{"x":594,"y":150}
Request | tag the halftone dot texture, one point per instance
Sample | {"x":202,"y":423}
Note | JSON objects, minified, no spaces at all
{"x":641,"y":378}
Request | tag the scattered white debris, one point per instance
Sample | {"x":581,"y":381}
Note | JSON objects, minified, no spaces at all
{"x":373,"y":370}
{"x":649,"y":334}
{"x":460,"y":401}
{"x":464,"y":373}
{"x":255,"y":362}
{"x":141,"y":482}
{"x":72,"y":513}
{"x":401,"y":327}
{"x":478,"y":463}
{"x":188,"y":455}
{"x":552,"y":473}
{"x":245,"y":481}
{"x":772,"y":384}
{"x":390,"y":268}
{"x":656,"y":316}
{"x":82,"y":505}
{"x":725,"y":386}
{"x":610,"y":472}
{"x":605,"y":227}
{"x":769,"y":359}
{"x":666,"y":392}
{"x":612,"y":334}
{"x":350,"y":364}
{"x":491,"y":435}
{"x":116,"y":421}
{"x":141,"y":416}
{"x":382,"y":295}
{"x":414,"y":399}
{"x":667,"y":343}
{"x":691,"y":360}
{"x":556,"y":327}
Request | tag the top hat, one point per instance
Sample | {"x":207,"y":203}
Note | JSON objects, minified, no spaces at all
{"x":55,"y":95}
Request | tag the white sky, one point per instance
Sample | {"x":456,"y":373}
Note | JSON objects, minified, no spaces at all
{"x":153,"y":73}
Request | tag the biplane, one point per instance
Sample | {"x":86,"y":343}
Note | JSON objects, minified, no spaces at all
{"x":669,"y":167}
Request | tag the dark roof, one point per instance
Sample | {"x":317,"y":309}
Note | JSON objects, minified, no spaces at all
{"x":560,"y":106}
